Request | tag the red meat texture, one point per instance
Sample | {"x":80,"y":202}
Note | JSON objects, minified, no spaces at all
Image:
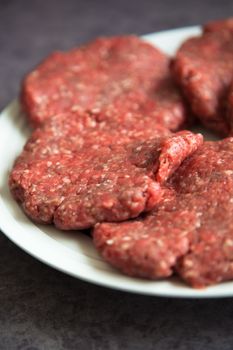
{"x":108,"y":76}
{"x":203,"y":67}
{"x":107,"y":153}
{"x":190,"y":232}
{"x":105,"y":183}
{"x":60,"y":135}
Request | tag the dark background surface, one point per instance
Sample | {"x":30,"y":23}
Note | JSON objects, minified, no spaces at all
{"x":41,"y":308}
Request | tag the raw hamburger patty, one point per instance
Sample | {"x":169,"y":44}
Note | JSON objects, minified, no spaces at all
{"x":230,"y":108}
{"x":110,"y":183}
{"x":225,"y":24}
{"x":203,"y":67}
{"x":109,"y":75}
{"x":190,"y":231}
{"x":64,"y":134}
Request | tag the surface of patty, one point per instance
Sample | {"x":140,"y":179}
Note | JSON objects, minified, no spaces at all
{"x":230,"y":108}
{"x":190,"y":232}
{"x":64,"y":134}
{"x":224,"y":24}
{"x":203,"y":67}
{"x":109,"y":75}
{"x":107,"y":183}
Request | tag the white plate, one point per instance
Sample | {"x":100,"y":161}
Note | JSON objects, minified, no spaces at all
{"x":73,"y":253}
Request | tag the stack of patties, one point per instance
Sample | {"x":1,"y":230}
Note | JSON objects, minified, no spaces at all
{"x":107,"y":153}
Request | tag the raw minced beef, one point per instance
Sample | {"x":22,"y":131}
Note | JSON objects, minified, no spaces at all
{"x":106,"y":183}
{"x":190,"y":232}
{"x":64,"y":134}
{"x":203,"y":67}
{"x":108,"y":76}
{"x":103,"y":153}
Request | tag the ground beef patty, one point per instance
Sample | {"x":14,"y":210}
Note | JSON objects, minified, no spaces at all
{"x":225,"y":24}
{"x":64,"y":134}
{"x":110,"y":75}
{"x":109,"y":183}
{"x":203,"y":67}
{"x":230,"y":108}
{"x":190,"y":231}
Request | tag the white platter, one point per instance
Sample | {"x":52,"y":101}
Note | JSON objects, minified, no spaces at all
{"x":73,"y":253}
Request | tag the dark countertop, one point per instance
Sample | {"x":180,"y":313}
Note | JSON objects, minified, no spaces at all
{"x":45,"y":309}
